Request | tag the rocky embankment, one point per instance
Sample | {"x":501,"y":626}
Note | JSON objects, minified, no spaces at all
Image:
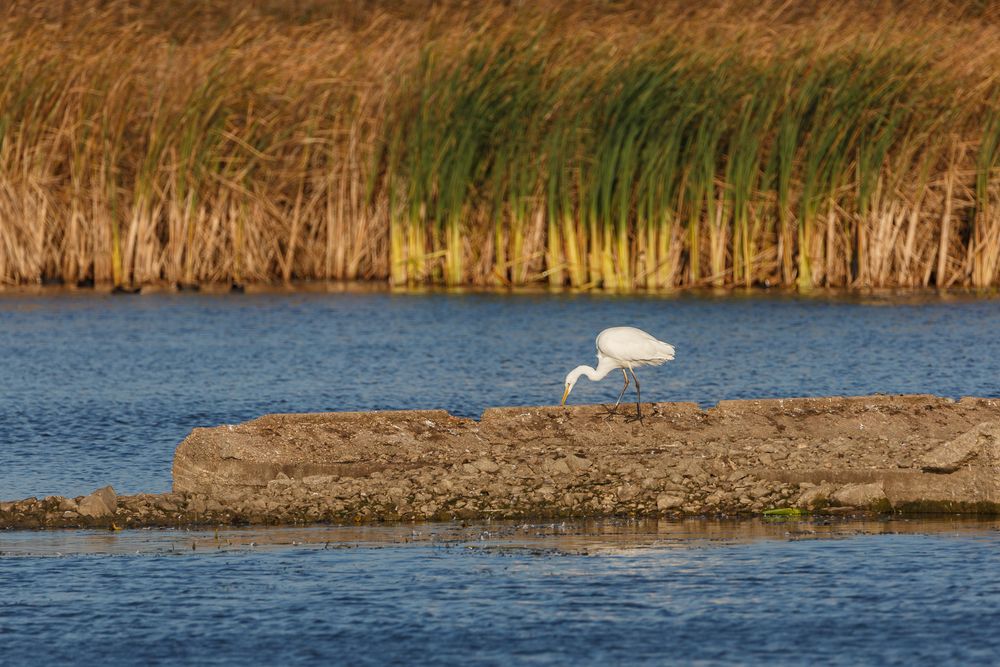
{"x":873,"y":453}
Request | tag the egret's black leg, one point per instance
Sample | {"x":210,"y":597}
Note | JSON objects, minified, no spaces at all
{"x":638,"y":400}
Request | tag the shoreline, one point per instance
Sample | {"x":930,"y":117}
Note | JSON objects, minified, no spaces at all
{"x":891,"y":455}
{"x":898,"y":294}
{"x":199,"y":512}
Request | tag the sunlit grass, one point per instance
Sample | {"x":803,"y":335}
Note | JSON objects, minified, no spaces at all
{"x":647,"y":146}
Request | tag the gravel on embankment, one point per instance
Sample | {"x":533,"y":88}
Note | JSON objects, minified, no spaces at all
{"x":842,"y":455}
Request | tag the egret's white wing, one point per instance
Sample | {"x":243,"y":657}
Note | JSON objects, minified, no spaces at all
{"x":633,"y":346}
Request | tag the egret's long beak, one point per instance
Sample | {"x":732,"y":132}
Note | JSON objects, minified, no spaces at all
{"x":565,"y":394}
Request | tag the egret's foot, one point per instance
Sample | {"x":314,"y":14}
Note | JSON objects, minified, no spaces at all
{"x":610,"y":411}
{"x":635,"y":418}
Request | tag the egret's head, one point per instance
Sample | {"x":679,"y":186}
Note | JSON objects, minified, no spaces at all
{"x":571,"y":379}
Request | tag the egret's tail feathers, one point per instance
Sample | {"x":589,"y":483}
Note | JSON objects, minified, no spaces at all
{"x":664,"y":353}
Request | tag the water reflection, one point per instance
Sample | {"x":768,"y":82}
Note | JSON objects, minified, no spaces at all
{"x":570,"y":537}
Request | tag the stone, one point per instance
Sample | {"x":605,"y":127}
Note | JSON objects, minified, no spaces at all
{"x":692,"y":469}
{"x":101,"y":503}
{"x":197,"y":505}
{"x":981,"y":442}
{"x":816,"y":497}
{"x":650,"y":483}
{"x":559,"y":467}
{"x":68,"y":505}
{"x":26,"y":505}
{"x":860,"y":495}
{"x":485,"y":465}
{"x":714,"y":499}
{"x":627,"y":492}
{"x":319,"y":481}
{"x":668,"y":501}
{"x":577,"y":463}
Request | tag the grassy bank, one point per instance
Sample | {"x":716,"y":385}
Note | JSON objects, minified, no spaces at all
{"x":627,"y":146}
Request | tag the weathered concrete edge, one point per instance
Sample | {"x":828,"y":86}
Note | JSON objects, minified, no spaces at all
{"x":188,"y":478}
{"x":722,"y":406}
{"x":190,"y":509}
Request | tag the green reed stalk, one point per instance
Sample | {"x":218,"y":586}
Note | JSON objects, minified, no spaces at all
{"x":560,"y":143}
{"x":986,"y":237}
{"x":743,"y":169}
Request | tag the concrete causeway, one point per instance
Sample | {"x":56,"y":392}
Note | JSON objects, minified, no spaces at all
{"x":899,"y":453}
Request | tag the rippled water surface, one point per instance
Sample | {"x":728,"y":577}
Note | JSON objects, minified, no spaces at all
{"x":788,"y":594}
{"x":96,"y":389}
{"x":100,"y":389}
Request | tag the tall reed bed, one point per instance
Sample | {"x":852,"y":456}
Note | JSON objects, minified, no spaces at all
{"x":639,"y":146}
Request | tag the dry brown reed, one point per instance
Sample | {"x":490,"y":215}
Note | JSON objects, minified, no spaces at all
{"x":637,"y":145}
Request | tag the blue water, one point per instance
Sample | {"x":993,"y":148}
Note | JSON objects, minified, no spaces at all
{"x":99,"y":390}
{"x":96,"y":389}
{"x":901,"y":599}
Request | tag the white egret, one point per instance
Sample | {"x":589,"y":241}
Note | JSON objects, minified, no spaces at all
{"x":624,"y":348}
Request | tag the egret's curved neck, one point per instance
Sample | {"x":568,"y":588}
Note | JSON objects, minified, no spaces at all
{"x":604,"y":366}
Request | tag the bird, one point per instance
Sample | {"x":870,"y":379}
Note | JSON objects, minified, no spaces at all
{"x":624,"y":348}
